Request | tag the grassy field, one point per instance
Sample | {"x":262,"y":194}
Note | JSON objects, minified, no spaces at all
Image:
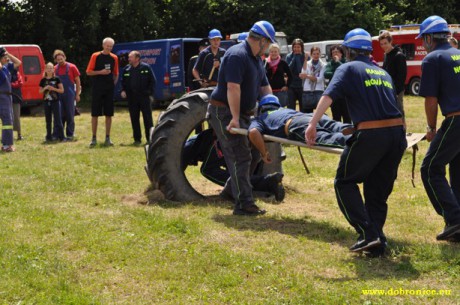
{"x":79,"y":226}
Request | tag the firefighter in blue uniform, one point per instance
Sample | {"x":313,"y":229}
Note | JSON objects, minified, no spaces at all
{"x":207,"y":65}
{"x":241,"y":81}
{"x":374,"y":151}
{"x":8,"y":63}
{"x":439,"y":85}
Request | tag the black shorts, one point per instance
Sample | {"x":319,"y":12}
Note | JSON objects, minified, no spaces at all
{"x":102,"y":104}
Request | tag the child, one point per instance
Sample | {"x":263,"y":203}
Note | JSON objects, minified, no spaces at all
{"x":50,"y":86}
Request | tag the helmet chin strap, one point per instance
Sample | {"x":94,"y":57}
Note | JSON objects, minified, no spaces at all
{"x":428,"y":46}
{"x":261,"y":48}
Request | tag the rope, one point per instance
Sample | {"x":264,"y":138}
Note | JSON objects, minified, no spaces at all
{"x":303,"y":161}
{"x":414,"y":157}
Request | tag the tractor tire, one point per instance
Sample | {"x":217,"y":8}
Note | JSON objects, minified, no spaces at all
{"x":167,"y":140}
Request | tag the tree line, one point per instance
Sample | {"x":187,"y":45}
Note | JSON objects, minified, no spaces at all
{"x":78,"y":26}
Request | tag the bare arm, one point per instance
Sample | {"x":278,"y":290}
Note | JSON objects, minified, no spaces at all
{"x":431,"y":111}
{"x":59,"y":89}
{"x":99,"y":72}
{"x":196,"y":74}
{"x":234,"y":99}
{"x":16,"y":62}
{"x":257,"y":140}
{"x":78,"y":88}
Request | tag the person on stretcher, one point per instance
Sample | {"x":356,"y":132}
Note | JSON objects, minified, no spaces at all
{"x":286,"y":123}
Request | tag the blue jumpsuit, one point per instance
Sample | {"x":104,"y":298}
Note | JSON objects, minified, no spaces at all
{"x":372,"y":156}
{"x":67,"y":100}
{"x":239,"y":66}
{"x":441,"y":79}
{"x":6,"y":105}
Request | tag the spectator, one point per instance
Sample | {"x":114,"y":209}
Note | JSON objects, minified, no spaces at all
{"x":8,"y":63}
{"x":70,"y":78}
{"x":103,"y":68}
{"x":207,"y":66}
{"x":241,"y":80}
{"x":50,"y":87}
{"x":339,"y":107}
{"x":440,"y":85}
{"x":295,"y":60}
{"x":16,"y":84}
{"x":278,"y":74}
{"x":194,"y":85}
{"x":395,"y":64}
{"x":313,"y":87}
{"x":453,"y":42}
{"x":138,"y":84}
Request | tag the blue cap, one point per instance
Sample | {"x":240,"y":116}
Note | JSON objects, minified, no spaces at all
{"x":358,"y":39}
{"x":214,"y":33}
{"x":265,"y":29}
{"x":433,"y":24}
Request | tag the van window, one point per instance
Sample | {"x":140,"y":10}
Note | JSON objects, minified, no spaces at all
{"x":31,"y":65}
{"x":409,"y":50}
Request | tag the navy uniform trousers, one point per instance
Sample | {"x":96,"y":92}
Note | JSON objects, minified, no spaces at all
{"x":237,"y":153}
{"x":444,"y":150}
{"x":371,"y":157}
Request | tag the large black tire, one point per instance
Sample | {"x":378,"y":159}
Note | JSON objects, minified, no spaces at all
{"x":167,"y":140}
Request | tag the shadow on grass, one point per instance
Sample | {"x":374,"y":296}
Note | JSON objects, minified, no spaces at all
{"x":396,"y":264}
{"x":307,"y":227}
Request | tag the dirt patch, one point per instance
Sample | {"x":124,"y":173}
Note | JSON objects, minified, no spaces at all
{"x":134,"y":199}
{"x":152,"y":196}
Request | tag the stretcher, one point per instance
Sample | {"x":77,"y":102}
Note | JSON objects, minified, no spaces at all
{"x":412,"y":140}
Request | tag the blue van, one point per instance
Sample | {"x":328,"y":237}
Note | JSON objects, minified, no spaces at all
{"x":169,"y":61}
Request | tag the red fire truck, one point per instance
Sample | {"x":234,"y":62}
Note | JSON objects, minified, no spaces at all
{"x":404,"y":37}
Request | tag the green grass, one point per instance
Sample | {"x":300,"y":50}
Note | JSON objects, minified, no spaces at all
{"x":76,"y":229}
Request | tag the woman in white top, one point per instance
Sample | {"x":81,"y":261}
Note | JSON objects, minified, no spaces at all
{"x":313,"y":76}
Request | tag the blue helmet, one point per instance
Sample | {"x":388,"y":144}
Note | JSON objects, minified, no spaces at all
{"x":214,"y":33}
{"x":433,"y":24}
{"x":269,"y":99}
{"x":358,"y":39}
{"x":242,"y":36}
{"x":265,"y":29}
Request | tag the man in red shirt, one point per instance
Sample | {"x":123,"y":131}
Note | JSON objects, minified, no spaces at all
{"x":103,"y":68}
{"x":70,"y":77}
